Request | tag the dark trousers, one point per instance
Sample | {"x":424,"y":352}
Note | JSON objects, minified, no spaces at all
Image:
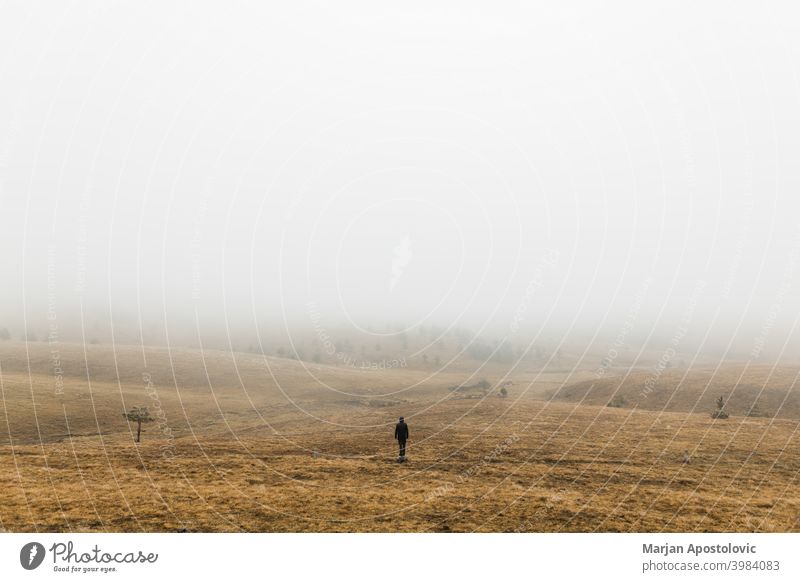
{"x":402,"y":448}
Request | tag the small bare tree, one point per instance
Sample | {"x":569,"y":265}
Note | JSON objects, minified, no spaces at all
{"x":138,"y":415}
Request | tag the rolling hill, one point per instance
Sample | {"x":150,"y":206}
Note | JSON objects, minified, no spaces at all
{"x":754,"y":390}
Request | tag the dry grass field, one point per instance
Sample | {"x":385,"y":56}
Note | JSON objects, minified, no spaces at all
{"x":247,"y":443}
{"x":760,"y":390}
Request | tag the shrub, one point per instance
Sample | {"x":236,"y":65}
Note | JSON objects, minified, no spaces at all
{"x":618,"y":401}
{"x":755,"y":411}
{"x":720,"y":412}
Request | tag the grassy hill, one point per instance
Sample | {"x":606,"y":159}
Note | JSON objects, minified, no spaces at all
{"x":84,"y":390}
{"x":754,"y":390}
{"x":247,"y":444}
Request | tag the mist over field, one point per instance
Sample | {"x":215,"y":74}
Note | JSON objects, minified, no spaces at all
{"x":539,"y":172}
{"x":419,"y":267}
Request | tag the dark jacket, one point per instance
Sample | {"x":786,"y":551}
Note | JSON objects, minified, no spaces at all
{"x":401,"y":432}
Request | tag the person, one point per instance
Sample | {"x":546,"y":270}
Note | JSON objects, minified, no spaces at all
{"x":401,"y":434}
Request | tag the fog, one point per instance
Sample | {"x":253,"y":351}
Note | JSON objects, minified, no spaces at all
{"x":173,"y":171}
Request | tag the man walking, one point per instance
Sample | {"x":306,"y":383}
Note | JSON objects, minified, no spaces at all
{"x":401,"y":434}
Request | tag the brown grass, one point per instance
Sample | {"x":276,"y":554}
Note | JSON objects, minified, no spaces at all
{"x":748,"y":390}
{"x":242,"y":457}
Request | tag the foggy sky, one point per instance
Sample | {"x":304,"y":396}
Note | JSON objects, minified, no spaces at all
{"x":567,"y":166}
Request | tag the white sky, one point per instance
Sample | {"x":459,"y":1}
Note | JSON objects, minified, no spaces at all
{"x":408,"y":162}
